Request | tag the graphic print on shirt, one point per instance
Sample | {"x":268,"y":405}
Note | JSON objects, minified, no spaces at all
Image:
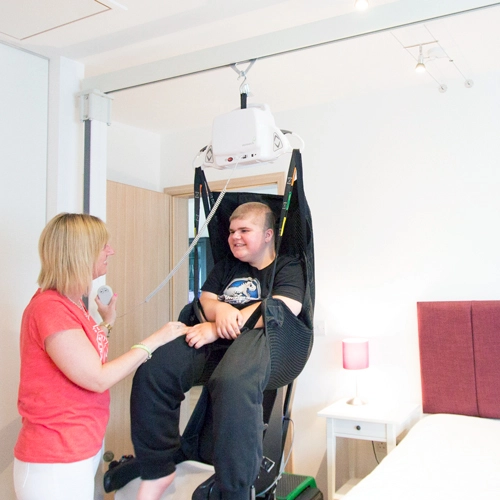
{"x":102,"y":343}
{"x":241,"y":291}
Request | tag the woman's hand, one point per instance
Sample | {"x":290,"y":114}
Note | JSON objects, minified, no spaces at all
{"x":201,"y":334}
{"x":168,"y":332}
{"x":107,"y":312}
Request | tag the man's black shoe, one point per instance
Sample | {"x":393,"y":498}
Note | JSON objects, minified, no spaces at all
{"x":207,"y":490}
{"x":120,"y":473}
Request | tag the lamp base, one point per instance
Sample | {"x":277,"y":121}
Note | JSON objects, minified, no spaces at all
{"x":356,"y":401}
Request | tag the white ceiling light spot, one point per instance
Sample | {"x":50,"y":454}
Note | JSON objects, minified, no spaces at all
{"x":361,"y":4}
{"x":420,"y":67}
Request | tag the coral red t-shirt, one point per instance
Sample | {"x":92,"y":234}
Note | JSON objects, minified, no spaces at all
{"x":62,"y":422}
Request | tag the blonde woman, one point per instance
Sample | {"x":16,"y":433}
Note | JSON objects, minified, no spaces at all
{"x":65,"y":375}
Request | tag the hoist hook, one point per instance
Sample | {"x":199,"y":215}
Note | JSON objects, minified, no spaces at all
{"x":244,"y":88}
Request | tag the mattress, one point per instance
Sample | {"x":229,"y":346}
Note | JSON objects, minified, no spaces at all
{"x":443,"y":457}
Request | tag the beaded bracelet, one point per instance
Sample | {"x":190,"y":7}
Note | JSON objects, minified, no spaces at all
{"x":145,"y":348}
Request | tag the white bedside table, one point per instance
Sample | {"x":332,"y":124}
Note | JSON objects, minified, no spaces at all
{"x":372,"y":422}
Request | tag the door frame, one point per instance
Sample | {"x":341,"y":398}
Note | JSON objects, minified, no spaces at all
{"x":278,"y":178}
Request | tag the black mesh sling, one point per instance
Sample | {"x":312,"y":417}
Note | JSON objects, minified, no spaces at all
{"x":290,"y":337}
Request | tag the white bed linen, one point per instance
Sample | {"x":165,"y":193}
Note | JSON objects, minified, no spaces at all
{"x":443,"y":457}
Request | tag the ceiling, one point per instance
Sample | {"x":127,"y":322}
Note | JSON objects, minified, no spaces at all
{"x":112,"y":36}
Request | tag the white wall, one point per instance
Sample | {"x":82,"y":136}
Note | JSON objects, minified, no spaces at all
{"x":23,"y":162}
{"x":403,"y":188}
{"x":66,"y":132}
{"x":134,"y":157}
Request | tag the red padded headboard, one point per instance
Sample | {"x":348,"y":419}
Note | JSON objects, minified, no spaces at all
{"x":460,"y":357}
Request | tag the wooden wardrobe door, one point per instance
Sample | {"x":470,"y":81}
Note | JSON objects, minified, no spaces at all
{"x":138,"y":220}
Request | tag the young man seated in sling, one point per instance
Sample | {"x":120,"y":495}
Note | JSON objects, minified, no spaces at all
{"x":232,"y":292}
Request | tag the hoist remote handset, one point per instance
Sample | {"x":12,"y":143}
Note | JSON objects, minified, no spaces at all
{"x":105,"y":294}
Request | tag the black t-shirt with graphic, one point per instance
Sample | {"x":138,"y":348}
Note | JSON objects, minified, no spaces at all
{"x":239,"y":284}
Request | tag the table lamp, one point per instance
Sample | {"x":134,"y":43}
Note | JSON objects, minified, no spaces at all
{"x":355,"y":357}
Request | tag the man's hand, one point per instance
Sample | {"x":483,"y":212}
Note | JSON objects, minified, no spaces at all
{"x":201,"y":334}
{"x":228,"y":321}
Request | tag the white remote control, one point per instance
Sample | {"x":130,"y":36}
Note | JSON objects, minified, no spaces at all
{"x":105,"y":294}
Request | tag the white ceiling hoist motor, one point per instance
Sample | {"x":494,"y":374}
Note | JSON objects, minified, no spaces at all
{"x":245,"y":137}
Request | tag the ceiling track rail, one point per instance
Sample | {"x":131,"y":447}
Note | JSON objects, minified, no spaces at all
{"x":108,"y":83}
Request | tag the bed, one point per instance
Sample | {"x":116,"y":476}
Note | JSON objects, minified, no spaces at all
{"x":453,"y":453}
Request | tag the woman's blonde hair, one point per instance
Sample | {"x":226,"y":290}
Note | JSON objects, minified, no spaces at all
{"x":69,"y":247}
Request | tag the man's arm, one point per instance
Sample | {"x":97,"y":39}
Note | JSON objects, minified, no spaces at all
{"x":294,"y":305}
{"x":229,"y":320}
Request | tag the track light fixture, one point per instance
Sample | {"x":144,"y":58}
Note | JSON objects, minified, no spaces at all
{"x":437,"y":52}
{"x":361,"y":4}
{"x":420,"y":67}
